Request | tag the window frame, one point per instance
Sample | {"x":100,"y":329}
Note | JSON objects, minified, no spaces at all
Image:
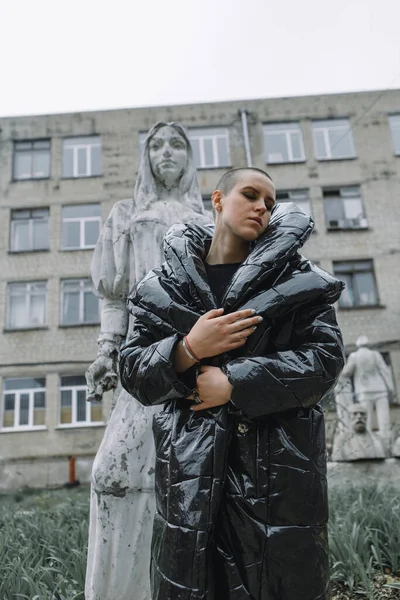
{"x":82,"y":221}
{"x":17,"y":407}
{"x":328,"y":146}
{"x":394,"y":123}
{"x":353,"y":273}
{"x":82,"y":290}
{"x":75,"y":162}
{"x":197,"y":133}
{"x":294,"y":200}
{"x":28,"y":295}
{"x":74,"y":407}
{"x":291,"y":127}
{"x":32,"y":152}
{"x":343,"y":193}
{"x":31,"y":220}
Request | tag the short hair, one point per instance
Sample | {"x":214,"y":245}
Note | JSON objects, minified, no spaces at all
{"x":229,"y":179}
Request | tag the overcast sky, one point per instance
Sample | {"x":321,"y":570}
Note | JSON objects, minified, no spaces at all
{"x":76,"y":55}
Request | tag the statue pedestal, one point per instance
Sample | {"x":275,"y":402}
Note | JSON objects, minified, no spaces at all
{"x":363,"y":472}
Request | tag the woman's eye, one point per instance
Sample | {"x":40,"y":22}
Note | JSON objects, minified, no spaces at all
{"x":249,"y":195}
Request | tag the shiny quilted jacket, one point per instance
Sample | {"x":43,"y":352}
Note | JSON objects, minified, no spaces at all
{"x":241,"y":489}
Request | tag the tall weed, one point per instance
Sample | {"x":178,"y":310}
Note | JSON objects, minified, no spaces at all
{"x":364,"y":535}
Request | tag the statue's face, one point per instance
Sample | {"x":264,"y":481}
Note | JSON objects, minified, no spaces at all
{"x":168,"y":156}
{"x":359,"y":418}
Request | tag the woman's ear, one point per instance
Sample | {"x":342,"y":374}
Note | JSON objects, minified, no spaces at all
{"x":216,"y":200}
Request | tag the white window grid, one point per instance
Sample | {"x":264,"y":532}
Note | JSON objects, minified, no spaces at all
{"x":74,"y":145}
{"x":32,"y":220}
{"x":341,"y":126}
{"x":213,"y":136}
{"x":82,"y":221}
{"x":32,"y":149}
{"x":299,"y":197}
{"x":394,"y":123}
{"x":29,"y":290}
{"x":287,"y":130}
{"x":82,"y":286}
{"x":74,"y":389}
{"x":17,"y":408}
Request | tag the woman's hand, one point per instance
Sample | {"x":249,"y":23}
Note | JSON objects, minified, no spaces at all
{"x":214,"y":333}
{"x":213,"y":388}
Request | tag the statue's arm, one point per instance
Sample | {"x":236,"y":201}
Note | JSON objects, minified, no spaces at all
{"x":385,"y":372}
{"x":110,"y":275}
{"x":349,"y":368}
{"x":102,"y":375}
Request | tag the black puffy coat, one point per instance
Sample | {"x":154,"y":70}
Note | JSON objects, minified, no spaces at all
{"x":241,"y":489}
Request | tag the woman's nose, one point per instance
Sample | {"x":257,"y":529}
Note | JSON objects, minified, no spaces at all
{"x":167,"y":150}
{"x":260,"y":207}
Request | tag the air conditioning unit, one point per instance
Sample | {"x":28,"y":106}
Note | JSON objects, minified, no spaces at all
{"x":334,"y":224}
{"x":358,"y":223}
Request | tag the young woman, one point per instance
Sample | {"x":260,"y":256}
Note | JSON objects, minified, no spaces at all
{"x":236,"y":335}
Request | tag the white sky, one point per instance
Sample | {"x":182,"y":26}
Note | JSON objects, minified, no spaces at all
{"x":81,"y":55}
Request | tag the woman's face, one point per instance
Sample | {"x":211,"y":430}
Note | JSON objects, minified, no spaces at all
{"x":245,"y":211}
{"x":168,"y":156}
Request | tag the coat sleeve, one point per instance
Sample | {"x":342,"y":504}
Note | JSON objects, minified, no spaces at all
{"x":291,"y":378}
{"x":146,"y":367}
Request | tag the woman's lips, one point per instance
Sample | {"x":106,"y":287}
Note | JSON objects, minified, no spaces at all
{"x":256,"y":220}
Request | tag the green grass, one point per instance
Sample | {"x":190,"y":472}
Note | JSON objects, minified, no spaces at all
{"x":364,"y":537}
{"x":43,"y":542}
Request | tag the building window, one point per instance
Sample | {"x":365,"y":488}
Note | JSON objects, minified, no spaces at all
{"x":210,"y":147}
{"x":333,"y":139}
{"x":394,"y":124}
{"x":74,"y":410}
{"x":26,"y":305}
{"x":79,"y":305}
{"x":24,"y":403}
{"x":360,"y":283}
{"x":283,"y":143}
{"x":82,"y":156}
{"x":29,"y":230}
{"x":344,"y":208}
{"x":80,"y":226}
{"x":31,"y":160}
{"x":299,"y":197}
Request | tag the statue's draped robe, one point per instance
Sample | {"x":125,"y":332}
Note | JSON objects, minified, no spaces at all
{"x":122,"y":492}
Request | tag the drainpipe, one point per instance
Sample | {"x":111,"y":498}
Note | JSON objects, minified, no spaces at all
{"x":71,"y":469}
{"x":243,"y":115}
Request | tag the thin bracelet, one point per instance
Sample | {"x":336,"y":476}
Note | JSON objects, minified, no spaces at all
{"x":188,"y":350}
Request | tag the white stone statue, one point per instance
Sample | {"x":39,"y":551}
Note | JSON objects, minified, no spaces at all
{"x":357,"y":442}
{"x":122,"y":491}
{"x":372,"y":382}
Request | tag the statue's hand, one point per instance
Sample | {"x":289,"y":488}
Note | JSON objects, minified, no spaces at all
{"x":101,"y":377}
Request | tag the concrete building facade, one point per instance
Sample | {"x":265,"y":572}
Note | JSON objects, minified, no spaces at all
{"x":337,"y":156}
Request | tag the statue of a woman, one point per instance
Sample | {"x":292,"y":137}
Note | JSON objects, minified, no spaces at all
{"x":122,"y":493}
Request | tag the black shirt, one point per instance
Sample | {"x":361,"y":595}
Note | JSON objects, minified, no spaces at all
{"x":219,"y":277}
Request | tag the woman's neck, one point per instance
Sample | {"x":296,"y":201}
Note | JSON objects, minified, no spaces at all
{"x":227,"y":248}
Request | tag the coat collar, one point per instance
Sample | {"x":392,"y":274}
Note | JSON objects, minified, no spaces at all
{"x":186,"y":246}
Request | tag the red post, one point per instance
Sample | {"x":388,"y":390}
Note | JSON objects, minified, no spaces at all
{"x":71,"y":464}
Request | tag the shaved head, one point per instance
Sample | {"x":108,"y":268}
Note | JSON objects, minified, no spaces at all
{"x":230,"y":178}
